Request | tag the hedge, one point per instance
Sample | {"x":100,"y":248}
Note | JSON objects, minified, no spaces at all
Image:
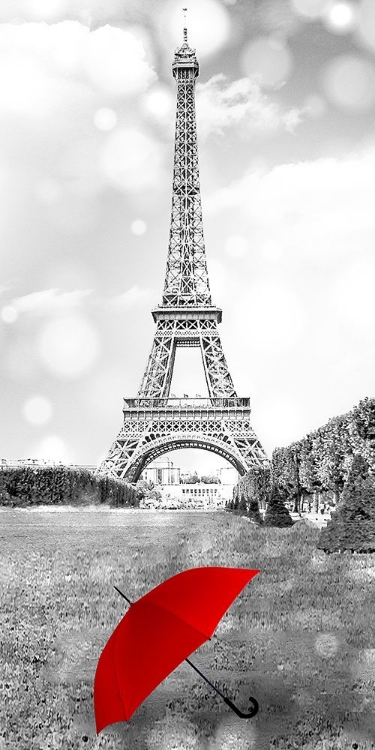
{"x":316,"y":466}
{"x":321,"y":462}
{"x":62,"y":485}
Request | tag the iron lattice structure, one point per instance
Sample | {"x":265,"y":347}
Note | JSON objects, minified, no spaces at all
{"x":155,"y":423}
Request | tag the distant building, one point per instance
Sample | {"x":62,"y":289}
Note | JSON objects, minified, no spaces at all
{"x":190,"y":496}
{"x":166,"y":477}
{"x":214,"y":495}
{"x":17,"y":462}
{"x":161,"y":471}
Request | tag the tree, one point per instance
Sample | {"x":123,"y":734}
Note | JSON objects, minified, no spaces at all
{"x":285,"y":462}
{"x":189,"y":478}
{"x":210,"y":479}
{"x":255,"y":484}
{"x":254,"y":512}
{"x":242,"y":508}
{"x":352,"y":526}
{"x":277,"y":514}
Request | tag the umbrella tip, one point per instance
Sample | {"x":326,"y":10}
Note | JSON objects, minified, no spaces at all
{"x":121,"y":594}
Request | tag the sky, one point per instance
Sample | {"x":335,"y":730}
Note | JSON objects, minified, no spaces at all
{"x":285,"y":114}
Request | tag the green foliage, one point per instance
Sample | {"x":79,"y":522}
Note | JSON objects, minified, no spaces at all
{"x":320,"y":462}
{"x":364,"y":419}
{"x":62,"y":485}
{"x":142,"y":488}
{"x":242,"y":504}
{"x":210,"y":479}
{"x":146,"y":491}
{"x":255,"y":485}
{"x":192,"y":479}
{"x":277,"y":514}
{"x":251,"y":492}
{"x":352,"y":526}
{"x":253,"y":511}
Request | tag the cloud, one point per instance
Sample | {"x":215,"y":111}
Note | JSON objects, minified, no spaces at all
{"x":38,"y":61}
{"x":133,"y":297}
{"x":49,"y":301}
{"x":222,"y":104}
{"x":320,"y":209}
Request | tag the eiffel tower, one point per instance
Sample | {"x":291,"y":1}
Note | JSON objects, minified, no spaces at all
{"x":155,"y":423}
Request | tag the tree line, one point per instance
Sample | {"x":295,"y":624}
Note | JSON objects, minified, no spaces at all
{"x":314,"y":470}
{"x":336,"y":461}
{"x":62,"y":485}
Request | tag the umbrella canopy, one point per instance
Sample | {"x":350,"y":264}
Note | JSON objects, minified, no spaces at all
{"x":157,"y":633}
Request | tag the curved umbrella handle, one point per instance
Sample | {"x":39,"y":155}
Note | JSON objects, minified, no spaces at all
{"x":227,"y":700}
{"x":240,"y":713}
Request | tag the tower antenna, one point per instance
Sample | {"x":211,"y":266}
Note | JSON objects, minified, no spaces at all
{"x":184,"y":10}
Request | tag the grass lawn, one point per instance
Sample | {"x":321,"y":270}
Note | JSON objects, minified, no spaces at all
{"x":300,"y":638}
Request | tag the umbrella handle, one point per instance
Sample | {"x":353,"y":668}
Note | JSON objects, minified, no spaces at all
{"x":227,"y":700}
{"x":240,"y":713}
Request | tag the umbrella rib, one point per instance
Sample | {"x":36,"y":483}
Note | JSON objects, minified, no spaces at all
{"x":158,"y":606}
{"x":186,"y":622}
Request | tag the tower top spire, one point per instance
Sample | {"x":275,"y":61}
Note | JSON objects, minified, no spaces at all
{"x":185,"y":57}
{"x":184,"y":10}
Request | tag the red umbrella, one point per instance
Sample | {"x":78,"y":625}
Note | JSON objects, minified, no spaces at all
{"x":157,"y":633}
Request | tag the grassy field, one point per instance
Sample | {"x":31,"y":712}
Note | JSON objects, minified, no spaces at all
{"x":300,"y":638}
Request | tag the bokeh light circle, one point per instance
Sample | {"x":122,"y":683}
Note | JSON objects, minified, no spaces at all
{"x":311,"y":8}
{"x":268,"y":59}
{"x":277,"y":16}
{"x":105,"y":119}
{"x":159,"y":102}
{"x":37,"y":410}
{"x":68,"y":346}
{"x":9,"y":314}
{"x":341,"y":17}
{"x":138,"y":227}
{"x":349,"y":82}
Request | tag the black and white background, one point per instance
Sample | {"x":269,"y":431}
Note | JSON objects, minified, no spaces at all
{"x":285,"y":111}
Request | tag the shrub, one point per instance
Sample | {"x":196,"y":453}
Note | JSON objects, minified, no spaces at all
{"x":254,"y":512}
{"x":352,"y":525}
{"x":277,"y":514}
